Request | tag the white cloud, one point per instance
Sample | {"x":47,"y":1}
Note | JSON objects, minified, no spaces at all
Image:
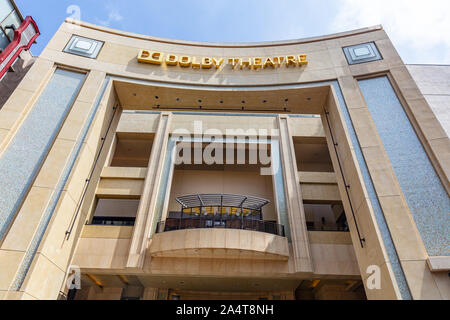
{"x":113,"y":16}
{"x":419,"y":29}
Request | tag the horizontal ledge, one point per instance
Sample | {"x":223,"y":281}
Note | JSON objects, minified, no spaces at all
{"x":131,"y":173}
{"x":317,"y":177}
{"x":439,"y":264}
{"x":220,"y":244}
{"x":107,"y":232}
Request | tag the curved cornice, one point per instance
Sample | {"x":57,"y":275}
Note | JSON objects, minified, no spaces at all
{"x":222,"y":44}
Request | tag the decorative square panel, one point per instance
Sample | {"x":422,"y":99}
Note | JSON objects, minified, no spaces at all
{"x":84,"y":47}
{"x":361,"y":53}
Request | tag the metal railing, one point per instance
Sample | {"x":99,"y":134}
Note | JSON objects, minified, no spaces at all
{"x":327,"y":227}
{"x":171,"y":224}
{"x":113,"y":221}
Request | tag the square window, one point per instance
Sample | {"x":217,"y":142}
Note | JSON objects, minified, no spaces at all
{"x":361,"y":53}
{"x":84,"y":47}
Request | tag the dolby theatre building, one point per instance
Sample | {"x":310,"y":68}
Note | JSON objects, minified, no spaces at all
{"x":134,"y":167}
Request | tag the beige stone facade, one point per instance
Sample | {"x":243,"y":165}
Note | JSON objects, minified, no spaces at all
{"x":99,"y":200}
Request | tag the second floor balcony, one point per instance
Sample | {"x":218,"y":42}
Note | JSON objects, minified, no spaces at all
{"x":227,"y":211}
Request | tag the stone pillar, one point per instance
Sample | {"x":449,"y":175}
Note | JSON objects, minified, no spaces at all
{"x":355,"y":199}
{"x":146,"y":210}
{"x":294,"y":202}
{"x":44,"y":251}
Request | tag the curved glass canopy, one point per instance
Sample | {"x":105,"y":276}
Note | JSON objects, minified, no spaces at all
{"x":222,"y":201}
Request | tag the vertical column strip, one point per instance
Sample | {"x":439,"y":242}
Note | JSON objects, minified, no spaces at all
{"x":368,"y":184}
{"x":21,"y":161}
{"x":296,"y":212}
{"x":48,"y":214}
{"x":147,"y":205}
{"x":424,"y":192}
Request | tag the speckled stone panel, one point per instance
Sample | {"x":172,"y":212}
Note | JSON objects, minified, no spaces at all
{"x":23,"y":158}
{"x":50,"y":210}
{"x":378,"y":212}
{"x":426,"y":197}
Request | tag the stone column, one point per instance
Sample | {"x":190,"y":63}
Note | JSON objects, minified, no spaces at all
{"x":294,"y":202}
{"x":43,"y":250}
{"x":355,"y":199}
{"x":146,"y":210}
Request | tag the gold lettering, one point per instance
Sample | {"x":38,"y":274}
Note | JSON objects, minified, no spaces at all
{"x":156,"y":57}
{"x":302,"y":60}
{"x":195,"y":64}
{"x":152,"y":57}
{"x":172,"y":60}
{"x":245,"y":63}
{"x":185,"y":61}
{"x":257,"y":63}
{"x":207,"y":63}
{"x":143,"y":54}
{"x":218,"y":63}
{"x":278,"y":60}
{"x":269,"y":63}
{"x":290,"y":60}
{"x":233,"y":62}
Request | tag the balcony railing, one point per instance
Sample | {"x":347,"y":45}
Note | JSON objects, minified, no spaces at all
{"x":337,"y":227}
{"x":226,"y":211}
{"x":24,"y":37}
{"x":171,"y":224}
{"x":113,"y":221}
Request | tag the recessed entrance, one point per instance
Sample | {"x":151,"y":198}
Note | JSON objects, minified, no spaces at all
{"x":196,"y":236}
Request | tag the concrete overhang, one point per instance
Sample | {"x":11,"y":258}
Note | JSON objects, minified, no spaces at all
{"x":219,"y":243}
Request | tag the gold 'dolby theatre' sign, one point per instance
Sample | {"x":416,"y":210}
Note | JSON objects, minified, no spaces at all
{"x":184,"y":61}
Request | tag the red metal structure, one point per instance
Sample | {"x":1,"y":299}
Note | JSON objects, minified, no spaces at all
{"x":24,"y":37}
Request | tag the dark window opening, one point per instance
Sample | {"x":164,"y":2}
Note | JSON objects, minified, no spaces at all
{"x":325,"y":217}
{"x":115,"y":212}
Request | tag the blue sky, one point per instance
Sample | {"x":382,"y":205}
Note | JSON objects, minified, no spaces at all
{"x":418,"y":29}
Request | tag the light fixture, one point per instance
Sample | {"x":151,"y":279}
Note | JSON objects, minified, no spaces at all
{"x":95,"y":280}
{"x":315,"y":283}
{"x":124,"y":279}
